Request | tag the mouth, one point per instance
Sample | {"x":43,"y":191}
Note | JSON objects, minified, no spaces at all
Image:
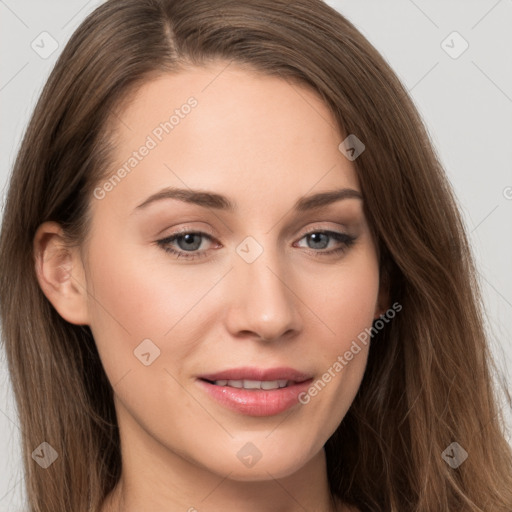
{"x":253,"y":384}
{"x":256,"y":392}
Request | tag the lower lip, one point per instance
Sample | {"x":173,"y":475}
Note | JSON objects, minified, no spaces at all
{"x":256,"y":402}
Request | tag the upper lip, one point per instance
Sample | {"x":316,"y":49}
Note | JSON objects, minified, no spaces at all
{"x":261,"y":374}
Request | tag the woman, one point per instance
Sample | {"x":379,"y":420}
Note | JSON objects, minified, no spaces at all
{"x":233,"y":275}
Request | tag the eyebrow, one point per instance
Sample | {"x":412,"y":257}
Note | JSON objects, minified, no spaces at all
{"x":220,"y":202}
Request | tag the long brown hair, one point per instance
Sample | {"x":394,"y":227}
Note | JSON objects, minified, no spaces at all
{"x":429,"y":379}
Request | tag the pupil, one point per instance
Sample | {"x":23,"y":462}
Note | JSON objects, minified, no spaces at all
{"x":189,"y":239}
{"x":316,"y":237}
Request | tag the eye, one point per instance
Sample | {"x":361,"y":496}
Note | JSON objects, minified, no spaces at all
{"x":189,"y":242}
{"x":320,"y":240}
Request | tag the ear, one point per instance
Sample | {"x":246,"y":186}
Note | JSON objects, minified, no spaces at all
{"x":60,"y":273}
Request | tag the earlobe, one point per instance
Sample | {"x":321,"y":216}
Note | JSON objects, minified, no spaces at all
{"x":60,"y":273}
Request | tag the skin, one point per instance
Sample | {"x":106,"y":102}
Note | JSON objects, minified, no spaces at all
{"x":263,"y":143}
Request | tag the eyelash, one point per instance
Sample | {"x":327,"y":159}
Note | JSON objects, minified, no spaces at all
{"x":346,"y":240}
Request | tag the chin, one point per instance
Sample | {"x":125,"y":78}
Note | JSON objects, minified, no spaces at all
{"x":264,"y":472}
{"x":270,"y":463}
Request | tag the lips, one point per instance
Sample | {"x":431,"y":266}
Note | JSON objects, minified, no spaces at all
{"x":256,"y":391}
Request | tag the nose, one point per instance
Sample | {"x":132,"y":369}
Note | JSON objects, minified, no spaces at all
{"x":263,"y":300}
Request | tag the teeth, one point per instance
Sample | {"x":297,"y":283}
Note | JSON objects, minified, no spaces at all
{"x":252,"y":384}
{"x":255,"y":384}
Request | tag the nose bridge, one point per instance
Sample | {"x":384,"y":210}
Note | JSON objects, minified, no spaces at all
{"x":263,"y":302}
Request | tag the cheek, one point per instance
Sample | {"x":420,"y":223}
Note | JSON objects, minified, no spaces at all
{"x":347,"y":311}
{"x":139,"y":294}
{"x":348,"y":301}
{"x":131,"y":300}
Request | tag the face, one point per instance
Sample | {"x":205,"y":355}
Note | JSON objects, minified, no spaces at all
{"x":195,"y":300}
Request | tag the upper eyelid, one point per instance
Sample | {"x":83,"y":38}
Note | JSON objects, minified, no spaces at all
{"x":186,"y":231}
{"x":319,"y":227}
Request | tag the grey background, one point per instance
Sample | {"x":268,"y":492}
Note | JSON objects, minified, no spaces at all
{"x":466,"y":103}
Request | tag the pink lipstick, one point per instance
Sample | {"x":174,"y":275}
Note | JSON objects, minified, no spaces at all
{"x":256,"y":391}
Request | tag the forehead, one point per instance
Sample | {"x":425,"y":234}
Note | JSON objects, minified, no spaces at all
{"x":227,"y":129}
